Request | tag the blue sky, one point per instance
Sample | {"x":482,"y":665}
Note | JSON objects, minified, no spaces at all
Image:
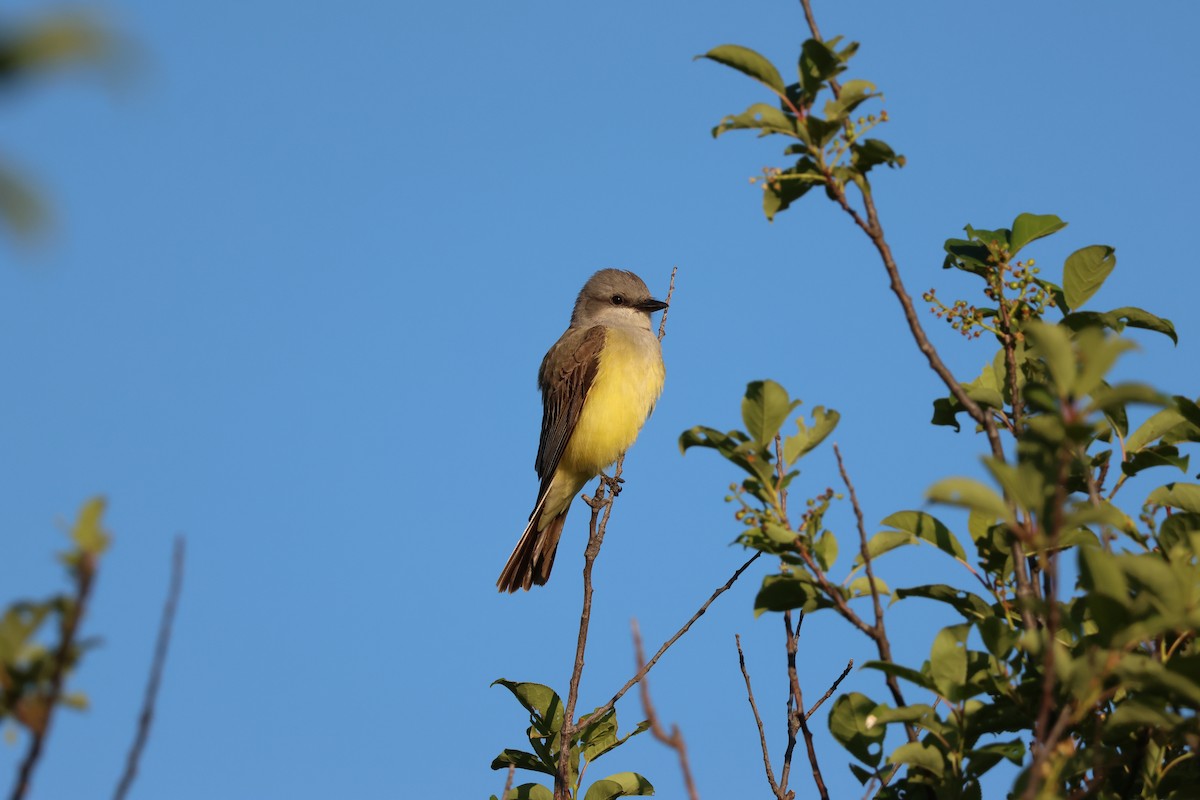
{"x":308,"y":258}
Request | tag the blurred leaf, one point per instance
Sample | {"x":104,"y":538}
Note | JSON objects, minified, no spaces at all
{"x":1052,"y":344}
{"x":900,"y":671}
{"x":853,"y":94}
{"x":761,"y":117}
{"x":973,"y":607}
{"x":1118,"y":318}
{"x":1164,"y":455}
{"x":807,"y":439}
{"x":817,"y":64}
{"x":1028,"y":227}
{"x":20,"y":206}
{"x":792,"y":590}
{"x":870,"y":153}
{"x":971,"y":494}
{"x":530,"y":791}
{"x":1184,"y":496}
{"x":788,"y":186}
{"x":927,"y":527}
{"x":622,"y":784}
{"x":1153,"y":429}
{"x":55,"y":40}
{"x":920,"y":755}
{"x":825,"y":549}
{"x":1085,"y":271}
{"x":948,"y":662}
{"x":88,"y":533}
{"x":747,"y":62}
{"x":851,"y":724}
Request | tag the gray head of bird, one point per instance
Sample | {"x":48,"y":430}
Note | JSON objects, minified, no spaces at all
{"x":615,"y":297}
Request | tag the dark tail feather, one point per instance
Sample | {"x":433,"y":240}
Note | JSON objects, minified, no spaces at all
{"x":533,"y":557}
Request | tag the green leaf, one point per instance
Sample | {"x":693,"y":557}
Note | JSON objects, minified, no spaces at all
{"x":853,"y":94}
{"x":1118,"y":318}
{"x":529,"y":791}
{"x":20,"y":205}
{"x":761,"y":117}
{"x":971,"y":606}
{"x":789,"y":186}
{"x":851,"y":723}
{"x":870,"y":153}
{"x":927,"y":527}
{"x":948,"y":662}
{"x":1137,"y":318}
{"x":982,"y":759}
{"x":622,"y":784}
{"x":543,"y":704}
{"x":1085,"y":271}
{"x":1028,"y":227}
{"x":1053,"y":345}
{"x":1164,"y":455}
{"x":88,"y":533}
{"x":748,"y":62}
{"x":817,"y":64}
{"x":807,"y":439}
{"x":1153,"y":429}
{"x":907,"y":673}
{"x":825,"y":549}
{"x":792,"y":590}
{"x":521,"y":760}
{"x":971,"y":494}
{"x":764,"y":409}
{"x":921,"y":756}
{"x":883,"y":542}
{"x":1184,"y":496}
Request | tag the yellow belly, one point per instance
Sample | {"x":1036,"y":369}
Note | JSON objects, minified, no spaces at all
{"x":622,"y":395}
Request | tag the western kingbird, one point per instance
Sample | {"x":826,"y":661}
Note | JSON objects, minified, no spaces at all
{"x":599,"y":383}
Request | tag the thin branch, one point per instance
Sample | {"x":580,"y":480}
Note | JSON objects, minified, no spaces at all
{"x":641,"y":673}
{"x":156,"y":670}
{"x":674,"y":740}
{"x":874,"y":231}
{"x":829,"y":692}
{"x":508,"y":782}
{"x":882,"y":643}
{"x":796,"y":715}
{"x":85,"y":572}
{"x":762,"y":736}
{"x":601,"y":505}
{"x":662,"y":322}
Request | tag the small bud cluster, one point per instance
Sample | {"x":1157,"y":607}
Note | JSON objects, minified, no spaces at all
{"x":964,"y":318}
{"x":1030,"y":300}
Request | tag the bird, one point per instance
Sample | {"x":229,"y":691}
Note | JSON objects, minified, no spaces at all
{"x":599,"y":383}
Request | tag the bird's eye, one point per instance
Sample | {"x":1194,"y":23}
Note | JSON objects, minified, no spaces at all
{"x":618,"y":300}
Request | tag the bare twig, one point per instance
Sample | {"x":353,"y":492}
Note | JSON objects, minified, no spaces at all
{"x":85,"y":573}
{"x":674,"y":739}
{"x":796,"y":715}
{"x":878,"y":630}
{"x":601,"y":505}
{"x":508,"y":782}
{"x":662,"y":322}
{"x":829,"y":692}
{"x":874,"y":231}
{"x":641,"y":673}
{"x":156,"y":671}
{"x":762,"y":736}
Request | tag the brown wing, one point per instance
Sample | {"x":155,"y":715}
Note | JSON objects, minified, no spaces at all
{"x":566,"y":375}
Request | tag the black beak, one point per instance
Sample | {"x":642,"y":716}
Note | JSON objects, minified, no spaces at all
{"x":651,"y":305}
